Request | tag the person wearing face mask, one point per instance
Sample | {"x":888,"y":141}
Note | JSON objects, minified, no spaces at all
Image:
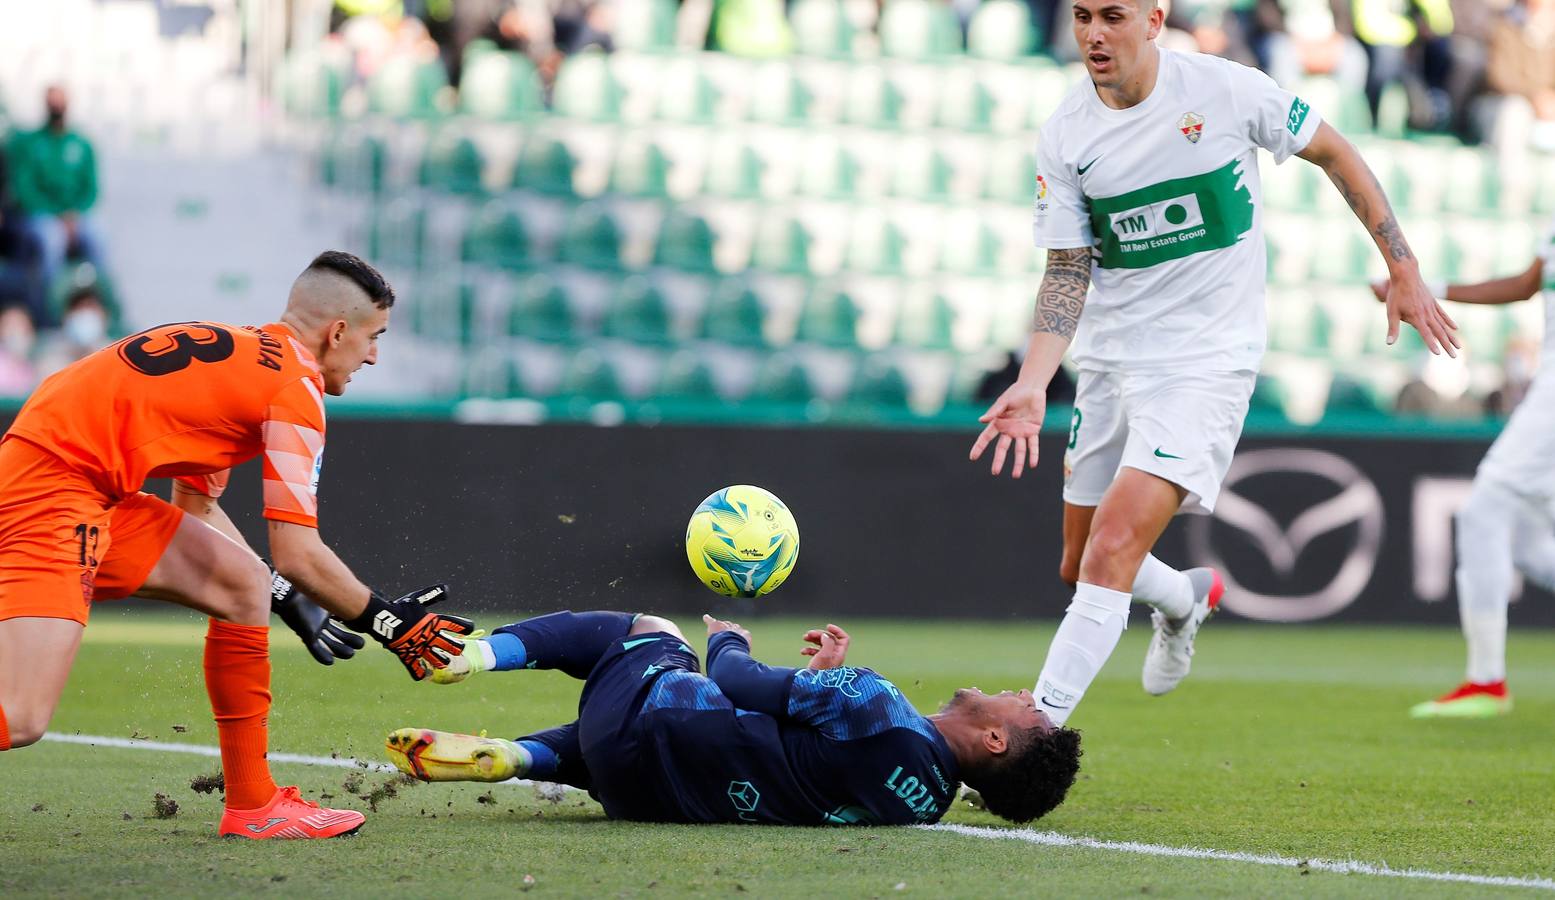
{"x":17,"y":375}
{"x":54,"y":182}
{"x":83,"y":330}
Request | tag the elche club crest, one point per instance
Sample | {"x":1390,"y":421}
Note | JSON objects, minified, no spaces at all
{"x":1192,"y":127}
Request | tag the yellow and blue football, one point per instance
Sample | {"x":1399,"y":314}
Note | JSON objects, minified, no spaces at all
{"x":742,"y":541}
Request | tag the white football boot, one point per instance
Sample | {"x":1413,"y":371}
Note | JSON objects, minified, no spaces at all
{"x":1171,"y":647}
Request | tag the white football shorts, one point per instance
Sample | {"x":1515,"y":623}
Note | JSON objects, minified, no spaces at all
{"x":1522,"y":459}
{"x":1182,"y":427}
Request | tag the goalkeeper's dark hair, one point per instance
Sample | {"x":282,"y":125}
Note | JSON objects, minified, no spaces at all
{"x":1032,"y":776}
{"x":359,"y":271}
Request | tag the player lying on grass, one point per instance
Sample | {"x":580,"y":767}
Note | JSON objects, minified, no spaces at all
{"x":189,"y":401}
{"x":657,"y":741}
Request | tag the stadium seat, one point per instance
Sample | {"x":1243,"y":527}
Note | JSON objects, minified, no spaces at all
{"x":545,"y":166}
{"x":644,"y":25}
{"x":875,"y":245}
{"x":538,"y":310}
{"x":777,"y":96}
{"x":781,"y":244}
{"x":1010,"y":175}
{"x":451,"y":162}
{"x":686,"y":94}
{"x":965,"y":103}
{"x":918,"y":29}
{"x":1347,"y":393}
{"x":590,"y":238}
{"x":968,"y":246}
{"x":496,"y":237}
{"x":685,"y":242}
{"x":1002,"y":30}
{"x":734,"y":315}
{"x":830,"y":318}
{"x":828,"y":170}
{"x":444,"y":309}
{"x":408,"y":88}
{"x":1048,"y":85}
{"x":638,"y":313}
{"x":821,"y":28}
{"x":733,"y":168}
{"x":920,"y":171}
{"x":396,"y":233}
{"x":872,"y":99}
{"x":782,"y":379}
{"x":585,"y":88}
{"x":686,"y":376}
{"x":499,"y":86}
{"x":590,"y":375}
{"x":927,"y":321}
{"x":878,"y":383}
{"x":354,"y":161}
{"x":312,"y":84}
{"x":640,"y":169}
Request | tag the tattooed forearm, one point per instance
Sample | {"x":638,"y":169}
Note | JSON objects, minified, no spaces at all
{"x":1385,"y":231}
{"x":1062,"y":295}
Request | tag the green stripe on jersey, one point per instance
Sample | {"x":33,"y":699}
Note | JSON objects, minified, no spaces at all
{"x":1172,"y":219}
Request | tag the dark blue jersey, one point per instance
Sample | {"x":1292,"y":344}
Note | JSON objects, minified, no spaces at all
{"x":752,"y":743}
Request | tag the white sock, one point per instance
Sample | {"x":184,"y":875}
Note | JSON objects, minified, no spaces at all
{"x":1087,"y":635}
{"x":488,"y":658}
{"x":1485,"y":528}
{"x":1164,"y":588}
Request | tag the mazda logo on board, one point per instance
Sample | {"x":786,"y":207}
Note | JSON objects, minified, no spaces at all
{"x":1295,"y":534}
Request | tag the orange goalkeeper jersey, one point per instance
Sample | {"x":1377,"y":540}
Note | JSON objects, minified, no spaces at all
{"x":189,"y":400}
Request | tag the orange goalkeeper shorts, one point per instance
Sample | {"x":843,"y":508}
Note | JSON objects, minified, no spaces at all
{"x":63,"y":543}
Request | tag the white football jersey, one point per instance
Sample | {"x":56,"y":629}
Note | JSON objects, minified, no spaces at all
{"x":1166,"y":194}
{"x":1547,"y":253}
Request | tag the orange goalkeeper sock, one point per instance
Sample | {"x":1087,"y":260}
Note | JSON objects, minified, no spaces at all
{"x":5,"y":731}
{"x":237,"y":678}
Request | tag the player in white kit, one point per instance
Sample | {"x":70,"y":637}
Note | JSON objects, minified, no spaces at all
{"x":1509,"y":519}
{"x":1148,"y":189}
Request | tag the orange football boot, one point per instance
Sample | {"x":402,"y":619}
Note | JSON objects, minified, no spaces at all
{"x":287,"y":815}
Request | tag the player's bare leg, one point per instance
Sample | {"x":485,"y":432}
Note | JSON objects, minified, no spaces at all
{"x":206,"y":571}
{"x":1126,"y":524}
{"x":35,"y":659}
{"x":1077,"y":531}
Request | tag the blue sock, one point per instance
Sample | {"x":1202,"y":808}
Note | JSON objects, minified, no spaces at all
{"x":543,"y":761}
{"x":509,"y":651}
{"x":569,"y":641}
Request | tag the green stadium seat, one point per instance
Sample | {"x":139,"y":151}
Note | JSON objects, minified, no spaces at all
{"x":686,"y":376}
{"x":590,"y":375}
{"x":875,"y":245}
{"x":1048,"y":85}
{"x":918,"y":29}
{"x":496,"y":237}
{"x":644,"y":25}
{"x":1544,"y":192}
{"x":872,"y":99}
{"x":969,"y":246}
{"x":927,"y":321}
{"x":590,"y":238}
{"x":451,"y":162}
{"x":585,"y":89}
{"x":777,"y":96}
{"x":734,"y":315}
{"x":1010,"y":175}
{"x":686,"y":94}
{"x":638,"y":313}
{"x":499,"y":86}
{"x":1476,"y":186}
{"x":733,"y":168}
{"x":1002,"y":30}
{"x":782,"y":379}
{"x":821,"y":28}
{"x":830,"y":317}
{"x":878,"y":383}
{"x":685,"y":242}
{"x":491,"y":373}
{"x":781,"y":244}
{"x":640,"y":169}
{"x":353,"y":161}
{"x":1341,"y":255}
{"x":545,"y":166}
{"x":539,"y":311}
{"x":396,"y":233}
{"x":921,"y":171}
{"x":407,"y":88}
{"x":444,"y":310}
{"x":312,"y":84}
{"x":1268,"y":395}
{"x":1347,"y":393}
{"x":828,"y":170}
{"x":965,"y":103}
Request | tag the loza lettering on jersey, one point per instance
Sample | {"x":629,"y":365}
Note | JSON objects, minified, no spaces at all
{"x":269,"y":352}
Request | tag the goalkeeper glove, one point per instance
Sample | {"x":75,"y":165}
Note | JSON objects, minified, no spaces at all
{"x":421,"y":639}
{"x":323,"y":637}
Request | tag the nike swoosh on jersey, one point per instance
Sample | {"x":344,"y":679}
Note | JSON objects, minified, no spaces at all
{"x":1164,"y":455}
{"x":1082,"y":169}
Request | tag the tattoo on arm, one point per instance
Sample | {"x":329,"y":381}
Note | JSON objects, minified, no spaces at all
{"x":1386,"y":230}
{"x":1062,"y":295}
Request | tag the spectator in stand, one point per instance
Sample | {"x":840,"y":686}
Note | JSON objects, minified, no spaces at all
{"x":1218,"y":27}
{"x":1522,"y":67}
{"x":1296,"y":38}
{"x":15,"y":258}
{"x":17,"y":375}
{"x":53,"y":177}
{"x":1407,"y":41}
{"x":83,"y":330}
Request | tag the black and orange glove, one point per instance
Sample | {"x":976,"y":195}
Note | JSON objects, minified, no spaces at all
{"x":323,"y":636}
{"x":421,"y":639}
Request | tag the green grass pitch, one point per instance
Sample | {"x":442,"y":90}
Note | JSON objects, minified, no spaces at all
{"x":1284,"y":741}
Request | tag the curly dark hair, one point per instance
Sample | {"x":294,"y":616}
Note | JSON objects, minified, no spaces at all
{"x":1032,"y":777}
{"x":359,"y":271}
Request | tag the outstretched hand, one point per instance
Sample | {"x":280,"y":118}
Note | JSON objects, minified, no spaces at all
{"x":1015,"y":418}
{"x":831,"y":647}
{"x":1410,"y":301}
{"x":716,"y":625}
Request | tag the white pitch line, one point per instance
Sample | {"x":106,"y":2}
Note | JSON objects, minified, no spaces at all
{"x":1054,"y":839}
{"x":1030,"y":836}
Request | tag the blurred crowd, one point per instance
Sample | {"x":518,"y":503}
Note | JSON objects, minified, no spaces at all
{"x":53,"y":297}
{"x":1483,"y":70}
